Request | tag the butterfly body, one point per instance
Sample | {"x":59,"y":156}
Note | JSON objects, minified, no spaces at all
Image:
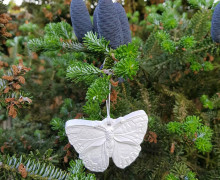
{"x":97,"y":141}
{"x":109,"y":140}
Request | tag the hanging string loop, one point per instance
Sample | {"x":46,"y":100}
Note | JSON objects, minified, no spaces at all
{"x":108,"y":106}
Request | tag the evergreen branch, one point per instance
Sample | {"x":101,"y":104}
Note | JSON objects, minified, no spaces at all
{"x":53,"y":44}
{"x":96,"y":44}
{"x":199,"y":24}
{"x":204,"y":48}
{"x":80,"y":71}
{"x":61,"y":30}
{"x":29,"y":28}
{"x":96,"y":94}
{"x":180,"y":170}
{"x":77,"y":171}
{"x":152,"y":47}
{"x":34,"y":169}
{"x":99,"y":90}
{"x":93,"y":110}
{"x":57,"y":36}
{"x":188,"y":128}
{"x":108,"y":63}
{"x":145,"y":96}
{"x":126,"y":51}
{"x":73,"y":46}
{"x":36,"y":44}
{"x":126,"y":68}
{"x":201,"y":4}
{"x":49,"y":44}
{"x":59,"y":125}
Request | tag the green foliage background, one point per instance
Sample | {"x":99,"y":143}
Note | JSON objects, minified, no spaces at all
{"x":170,"y":70}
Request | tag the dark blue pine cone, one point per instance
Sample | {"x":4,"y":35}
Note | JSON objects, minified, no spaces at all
{"x":95,"y":16}
{"x":108,"y":23}
{"x":215,"y":30}
{"x":80,"y":19}
{"x":124,"y":23}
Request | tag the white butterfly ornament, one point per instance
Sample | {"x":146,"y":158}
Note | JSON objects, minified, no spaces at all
{"x":97,"y":141}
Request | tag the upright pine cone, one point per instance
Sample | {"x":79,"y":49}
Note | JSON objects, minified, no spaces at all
{"x":124,"y":23}
{"x":95,"y":21}
{"x":80,"y":19}
{"x":215,"y":30}
{"x":111,"y":22}
{"x":108,"y":23}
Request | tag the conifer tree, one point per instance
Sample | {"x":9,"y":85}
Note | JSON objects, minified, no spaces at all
{"x":170,"y":70}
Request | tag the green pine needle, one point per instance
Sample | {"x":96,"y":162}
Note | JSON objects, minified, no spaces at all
{"x":126,"y":68}
{"x":93,"y":110}
{"x":73,"y":46}
{"x":77,"y":171}
{"x":80,"y":71}
{"x":96,"y":44}
{"x":61,"y":30}
{"x":99,"y":90}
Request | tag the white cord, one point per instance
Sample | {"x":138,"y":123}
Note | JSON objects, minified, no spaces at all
{"x":108,"y":106}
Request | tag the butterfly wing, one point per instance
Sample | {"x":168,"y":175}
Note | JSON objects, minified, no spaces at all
{"x":88,"y":139}
{"x":129,"y":132}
